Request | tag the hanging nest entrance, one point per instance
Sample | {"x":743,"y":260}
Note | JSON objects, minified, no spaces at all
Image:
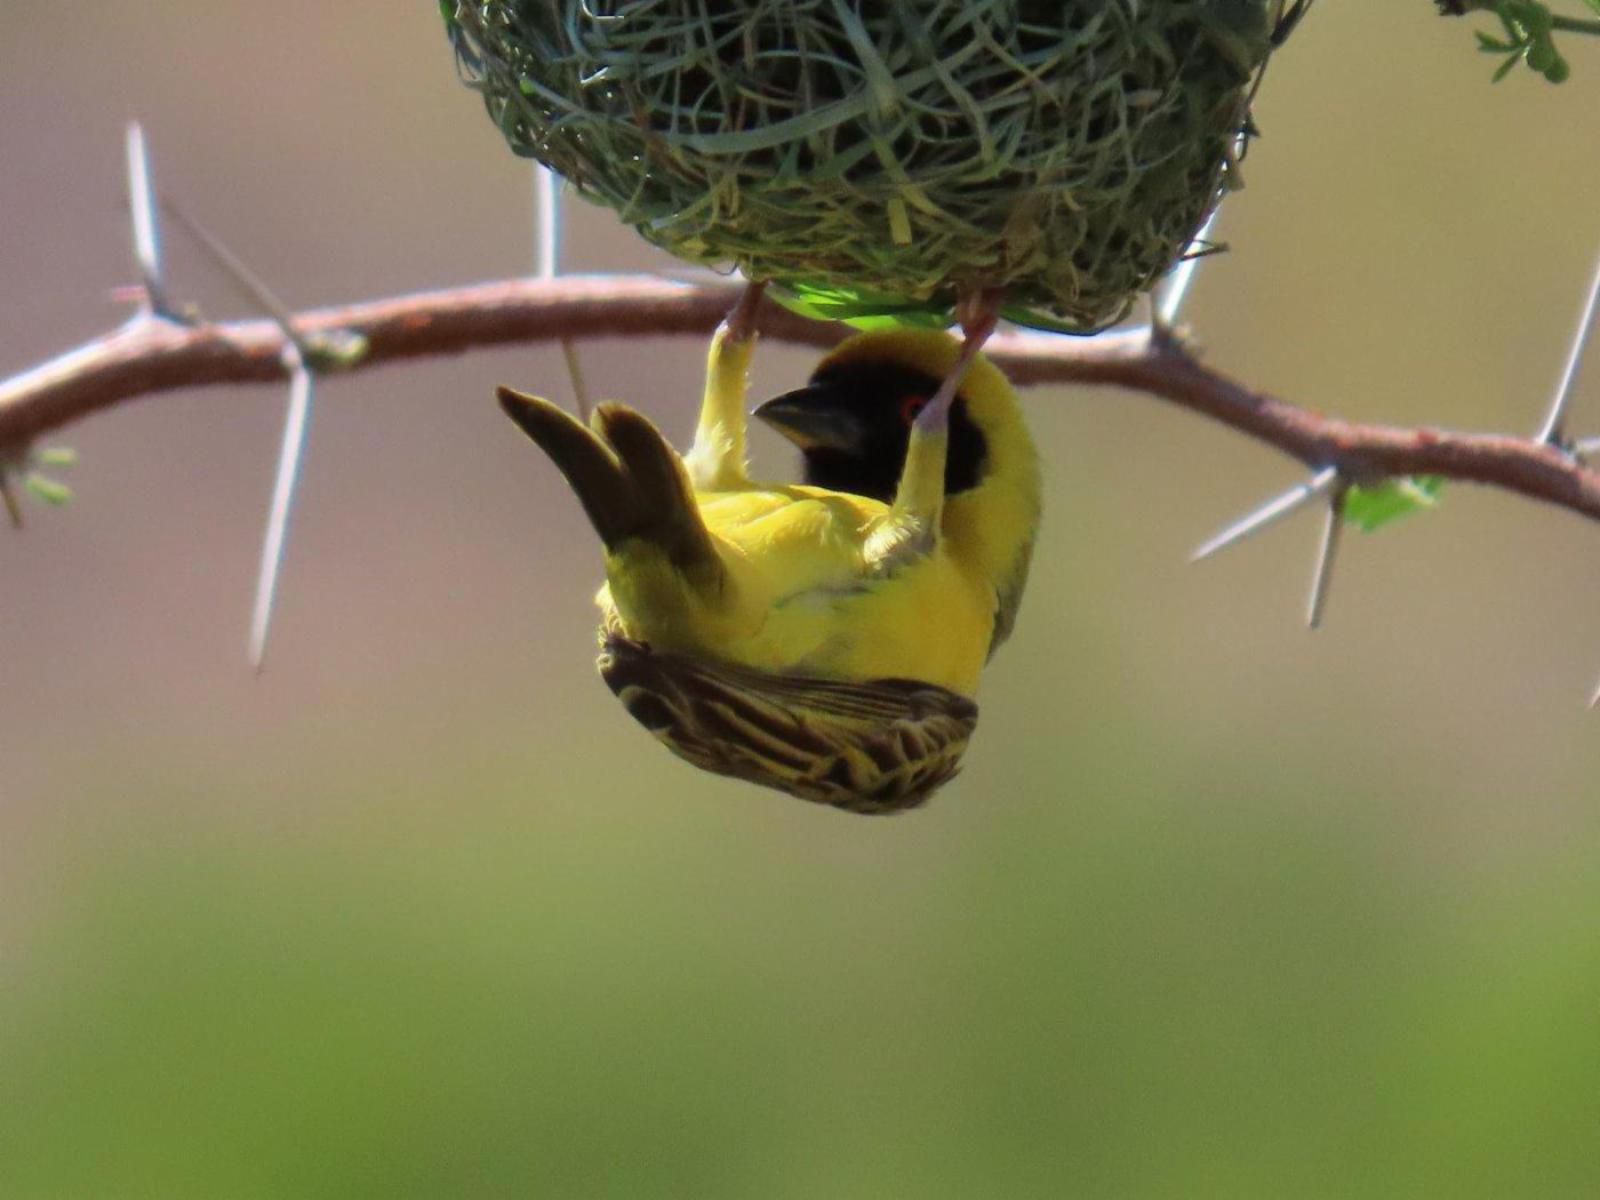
{"x":1063,"y":150}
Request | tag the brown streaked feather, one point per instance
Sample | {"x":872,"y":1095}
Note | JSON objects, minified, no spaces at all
{"x":879,"y":746}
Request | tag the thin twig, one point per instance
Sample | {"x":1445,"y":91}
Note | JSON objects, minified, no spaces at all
{"x":147,"y":358}
{"x":242,"y":277}
{"x":1459,"y":8}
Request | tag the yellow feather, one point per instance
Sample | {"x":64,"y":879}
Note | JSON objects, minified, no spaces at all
{"x":803,"y":594}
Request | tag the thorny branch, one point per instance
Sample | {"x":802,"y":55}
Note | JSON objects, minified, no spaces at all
{"x":150,"y":355}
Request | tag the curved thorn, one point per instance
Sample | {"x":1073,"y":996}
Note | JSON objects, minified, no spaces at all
{"x":1272,"y":511}
{"x":297,"y":423}
{"x":1553,"y":430}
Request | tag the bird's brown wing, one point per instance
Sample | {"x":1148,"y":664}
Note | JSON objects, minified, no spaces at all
{"x":875,"y":747}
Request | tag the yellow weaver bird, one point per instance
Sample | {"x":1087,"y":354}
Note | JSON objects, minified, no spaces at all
{"x":824,"y":638}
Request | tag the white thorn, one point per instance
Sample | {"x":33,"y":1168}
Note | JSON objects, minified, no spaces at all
{"x":1552,"y":431}
{"x":580,"y":389}
{"x":9,"y":498}
{"x":547,"y":265}
{"x":296,"y":424}
{"x":547,"y":222}
{"x":146,"y":226}
{"x":1273,"y":510}
{"x":298,"y":356}
{"x":1176,"y":288}
{"x":1325,"y":558}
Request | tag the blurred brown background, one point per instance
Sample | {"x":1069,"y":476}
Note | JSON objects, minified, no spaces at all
{"x":1218,"y":907}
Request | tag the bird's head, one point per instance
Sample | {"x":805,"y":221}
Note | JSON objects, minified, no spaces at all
{"x":852,"y":425}
{"x":852,"y":421}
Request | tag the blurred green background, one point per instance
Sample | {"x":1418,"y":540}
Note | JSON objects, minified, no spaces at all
{"x":1217,"y":908}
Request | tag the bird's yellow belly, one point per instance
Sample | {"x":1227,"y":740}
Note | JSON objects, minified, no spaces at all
{"x":929,"y":622}
{"x":927,"y":626}
{"x":799,"y":597}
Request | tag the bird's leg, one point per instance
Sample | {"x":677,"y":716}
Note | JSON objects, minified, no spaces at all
{"x":920,"y":495}
{"x":717,"y":460}
{"x":978,"y":313}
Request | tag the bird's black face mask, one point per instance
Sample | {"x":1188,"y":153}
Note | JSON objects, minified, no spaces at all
{"x":852,"y":424}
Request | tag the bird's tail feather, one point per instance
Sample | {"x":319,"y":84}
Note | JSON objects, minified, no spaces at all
{"x":631,"y":483}
{"x":658,"y":476}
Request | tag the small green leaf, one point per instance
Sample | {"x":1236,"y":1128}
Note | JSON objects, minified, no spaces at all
{"x":56,"y":456}
{"x":862,"y":309}
{"x":1558,"y":70}
{"x":42,"y":487}
{"x":1491,"y":45}
{"x":337,"y":350}
{"x":909,"y":319}
{"x":1505,"y":69}
{"x":1372,"y":506}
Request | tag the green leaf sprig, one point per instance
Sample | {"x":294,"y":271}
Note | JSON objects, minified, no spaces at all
{"x":1528,"y":27}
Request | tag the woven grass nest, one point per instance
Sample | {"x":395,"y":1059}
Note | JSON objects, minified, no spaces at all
{"x":1063,"y":150}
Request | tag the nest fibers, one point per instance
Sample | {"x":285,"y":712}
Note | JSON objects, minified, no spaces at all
{"x":1064,"y":150}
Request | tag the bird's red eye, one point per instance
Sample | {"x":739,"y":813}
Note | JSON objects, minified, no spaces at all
{"x":911,"y":406}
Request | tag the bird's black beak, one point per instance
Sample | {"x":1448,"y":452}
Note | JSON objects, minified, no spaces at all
{"x":814,"y":418}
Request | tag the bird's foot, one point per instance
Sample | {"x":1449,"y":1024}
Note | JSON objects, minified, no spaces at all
{"x":741,"y":319}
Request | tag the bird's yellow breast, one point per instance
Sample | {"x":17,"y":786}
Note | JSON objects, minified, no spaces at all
{"x":799,"y":596}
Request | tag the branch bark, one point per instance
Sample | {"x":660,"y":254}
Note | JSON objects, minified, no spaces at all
{"x":149,"y":355}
